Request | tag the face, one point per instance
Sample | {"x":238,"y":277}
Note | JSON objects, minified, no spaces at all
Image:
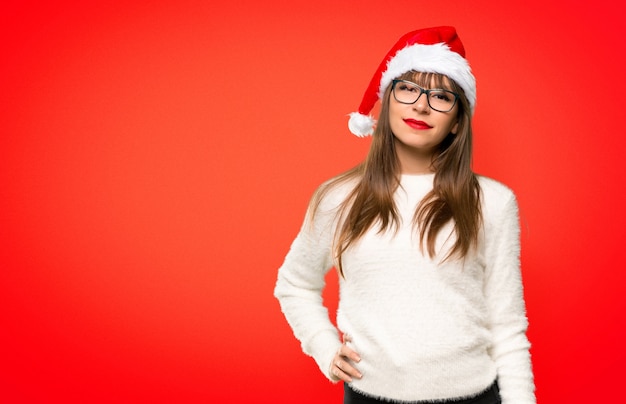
{"x":419,"y":129}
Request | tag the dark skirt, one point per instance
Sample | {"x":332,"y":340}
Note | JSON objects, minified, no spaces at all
{"x":490,"y":396}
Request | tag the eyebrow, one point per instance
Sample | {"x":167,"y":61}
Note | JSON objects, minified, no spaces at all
{"x":429,"y":88}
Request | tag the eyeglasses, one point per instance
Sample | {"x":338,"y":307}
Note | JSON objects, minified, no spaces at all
{"x":407,"y":92}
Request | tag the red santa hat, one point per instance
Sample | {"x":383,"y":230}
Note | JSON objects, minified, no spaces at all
{"x":430,"y":50}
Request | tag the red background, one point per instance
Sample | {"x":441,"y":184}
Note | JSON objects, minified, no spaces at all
{"x":156,"y":159}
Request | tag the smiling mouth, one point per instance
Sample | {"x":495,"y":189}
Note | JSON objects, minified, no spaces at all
{"x":415,"y":124}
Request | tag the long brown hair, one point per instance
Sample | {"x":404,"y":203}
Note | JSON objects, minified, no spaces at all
{"x":455,"y":195}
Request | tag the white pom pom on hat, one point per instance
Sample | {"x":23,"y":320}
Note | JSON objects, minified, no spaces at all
{"x":429,"y":50}
{"x":360,"y":124}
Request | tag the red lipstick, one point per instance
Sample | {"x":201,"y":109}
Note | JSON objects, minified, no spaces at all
{"x":415,"y":124}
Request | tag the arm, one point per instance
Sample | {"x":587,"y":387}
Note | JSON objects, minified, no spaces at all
{"x":299,"y":289}
{"x":507,"y":312}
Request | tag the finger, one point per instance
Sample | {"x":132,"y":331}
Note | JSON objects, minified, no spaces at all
{"x":344,"y":368}
{"x":347,"y":352}
{"x":339,"y":374}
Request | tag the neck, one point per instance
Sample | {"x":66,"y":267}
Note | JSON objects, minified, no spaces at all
{"x":412,"y":161}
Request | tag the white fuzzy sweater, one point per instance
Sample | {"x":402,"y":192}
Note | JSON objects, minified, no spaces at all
{"x":424,"y":330}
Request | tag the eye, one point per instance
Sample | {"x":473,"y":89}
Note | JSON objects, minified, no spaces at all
{"x":441,"y":95}
{"x":407,"y":87}
{"x":403,"y":87}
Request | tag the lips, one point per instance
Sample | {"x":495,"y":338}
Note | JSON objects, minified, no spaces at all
{"x":415,"y":124}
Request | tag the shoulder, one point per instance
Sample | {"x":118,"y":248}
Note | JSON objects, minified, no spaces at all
{"x":496,"y":197}
{"x":331,"y":194}
{"x":494,"y":190}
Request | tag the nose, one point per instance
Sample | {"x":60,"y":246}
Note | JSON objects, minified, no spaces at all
{"x":421,"y":105}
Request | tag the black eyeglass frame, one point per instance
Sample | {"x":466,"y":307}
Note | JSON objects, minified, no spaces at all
{"x":423,"y":91}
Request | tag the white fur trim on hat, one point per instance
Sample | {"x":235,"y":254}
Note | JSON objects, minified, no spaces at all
{"x":437,"y":58}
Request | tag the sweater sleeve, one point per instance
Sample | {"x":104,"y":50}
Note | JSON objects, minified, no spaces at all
{"x":301,"y":280}
{"x":507,"y":312}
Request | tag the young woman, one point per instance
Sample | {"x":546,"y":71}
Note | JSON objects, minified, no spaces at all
{"x":431,"y":305}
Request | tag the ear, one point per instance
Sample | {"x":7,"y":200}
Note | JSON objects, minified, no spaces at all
{"x":455,"y":128}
